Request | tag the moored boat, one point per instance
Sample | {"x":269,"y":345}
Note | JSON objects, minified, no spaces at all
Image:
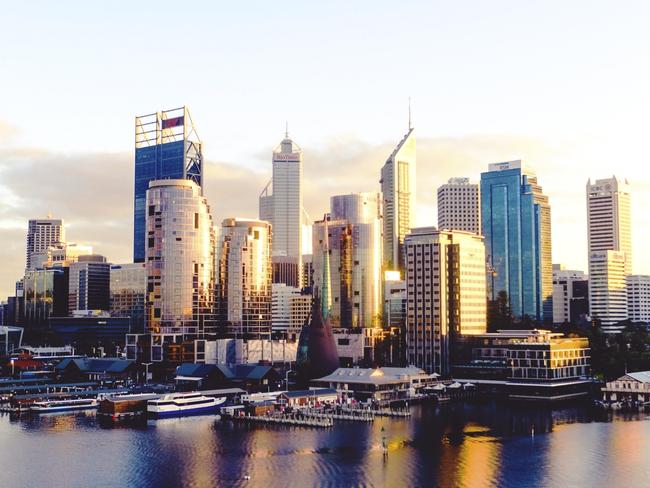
{"x":48,"y":406}
{"x":179,"y":404}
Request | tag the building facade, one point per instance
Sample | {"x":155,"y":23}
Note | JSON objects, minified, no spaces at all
{"x":351,"y":236}
{"x":167,"y":146}
{"x":45,"y":294}
{"x":607,"y":292}
{"x":127,"y":293}
{"x":41,"y":235}
{"x":516,"y":222}
{"x":180,"y":260}
{"x":570,"y":295}
{"x":609,"y":229}
{"x":398,"y":186}
{"x":89,"y":284}
{"x":244,"y":292}
{"x":281,"y":204}
{"x":446,"y":290}
{"x":459,"y":206}
{"x":638,"y":298}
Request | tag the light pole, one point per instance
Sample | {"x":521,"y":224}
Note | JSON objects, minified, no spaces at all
{"x":286,"y":378}
{"x":13,"y":366}
{"x":146,"y":372}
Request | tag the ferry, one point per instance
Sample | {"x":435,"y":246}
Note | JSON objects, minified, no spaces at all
{"x":63,"y":405}
{"x":179,"y":404}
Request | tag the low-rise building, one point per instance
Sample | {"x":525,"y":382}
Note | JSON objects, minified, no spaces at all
{"x":312,"y":397}
{"x":527,"y":364}
{"x":631,"y":387}
{"x":96,"y":369}
{"x":379,"y":384}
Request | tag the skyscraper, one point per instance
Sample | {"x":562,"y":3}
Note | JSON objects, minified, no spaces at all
{"x":609,"y":229}
{"x":459,"y":206}
{"x":89,"y":286}
{"x":516,"y":223}
{"x":281,"y":204}
{"x":570,"y":294}
{"x":638,"y":298}
{"x":244,"y":292}
{"x":398,"y":190}
{"x":166,"y":147}
{"x":446,"y":289}
{"x":128,"y":290}
{"x":351,"y":237}
{"x":180,"y":263}
{"x":41,"y":235}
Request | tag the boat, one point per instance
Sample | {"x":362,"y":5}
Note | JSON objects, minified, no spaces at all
{"x":179,"y":404}
{"x":47,"y":406}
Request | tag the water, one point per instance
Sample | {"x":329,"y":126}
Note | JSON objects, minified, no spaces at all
{"x":488,"y":444}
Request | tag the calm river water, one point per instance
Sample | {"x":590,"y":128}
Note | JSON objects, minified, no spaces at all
{"x":487,"y":444}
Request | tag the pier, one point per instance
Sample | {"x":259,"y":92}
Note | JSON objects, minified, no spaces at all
{"x":289,"y":419}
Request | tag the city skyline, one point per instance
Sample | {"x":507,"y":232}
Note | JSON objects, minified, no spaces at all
{"x":474,"y":103}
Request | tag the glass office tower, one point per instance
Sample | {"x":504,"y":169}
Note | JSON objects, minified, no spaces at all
{"x":166,"y":147}
{"x":515,"y":218}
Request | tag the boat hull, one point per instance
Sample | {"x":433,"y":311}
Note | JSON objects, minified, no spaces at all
{"x":186,"y":412}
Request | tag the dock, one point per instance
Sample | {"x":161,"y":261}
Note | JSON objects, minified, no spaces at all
{"x":350,"y":416}
{"x":289,"y":419}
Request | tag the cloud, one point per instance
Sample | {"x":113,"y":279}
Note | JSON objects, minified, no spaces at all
{"x":93,"y":192}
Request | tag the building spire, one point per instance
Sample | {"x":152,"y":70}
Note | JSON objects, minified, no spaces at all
{"x":286,"y":129}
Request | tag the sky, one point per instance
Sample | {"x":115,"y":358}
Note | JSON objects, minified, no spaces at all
{"x":561,"y":85}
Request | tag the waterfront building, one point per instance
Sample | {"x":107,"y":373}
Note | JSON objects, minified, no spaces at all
{"x":351,"y":237}
{"x":167,"y":146}
{"x":379,"y":384}
{"x":570,"y":295}
{"x":244,"y":351}
{"x":356,"y":347}
{"x":446,"y":290}
{"x":45,"y":294}
{"x":525,"y":364}
{"x":90,"y":328}
{"x":89,"y":284}
{"x":128,"y":286}
{"x":244,"y":293}
{"x":42,"y":234}
{"x":631,"y":387}
{"x":609,"y":229}
{"x":398,"y":187}
{"x":281,"y":204}
{"x":180,"y":264}
{"x":607,"y":293}
{"x":516,"y":223}
{"x":459,"y":206}
{"x":638,"y":298}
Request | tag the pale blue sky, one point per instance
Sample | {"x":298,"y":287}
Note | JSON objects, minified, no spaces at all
{"x":569,"y":76}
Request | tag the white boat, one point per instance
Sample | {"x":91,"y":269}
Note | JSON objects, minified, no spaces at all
{"x":64,"y":405}
{"x":179,"y":404}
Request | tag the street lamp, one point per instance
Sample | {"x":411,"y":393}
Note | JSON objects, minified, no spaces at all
{"x":12,"y":366}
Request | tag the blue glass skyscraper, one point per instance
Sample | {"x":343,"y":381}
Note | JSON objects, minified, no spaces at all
{"x":166,"y":147}
{"x":515,"y":218}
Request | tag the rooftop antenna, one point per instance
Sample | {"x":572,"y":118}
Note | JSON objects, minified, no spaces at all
{"x":410,"y":126}
{"x":286,"y":129}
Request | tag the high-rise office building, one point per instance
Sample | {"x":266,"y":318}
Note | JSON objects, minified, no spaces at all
{"x":290,"y":308}
{"x":446,"y":290}
{"x":459,"y":206}
{"x":89,"y":284}
{"x":638,"y":298}
{"x":166,"y":147}
{"x":351,"y":235}
{"x":607,"y":293}
{"x":244,"y":292}
{"x":609,"y":229}
{"x":398,"y":189}
{"x":570,"y":295}
{"x":180,"y":265}
{"x":41,"y":235}
{"x":281,"y":204}
{"x":127,"y":292}
{"x":516,"y":223}
{"x":45,"y":294}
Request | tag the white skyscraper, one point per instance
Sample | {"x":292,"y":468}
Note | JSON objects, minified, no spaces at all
{"x":281,"y":204}
{"x":446,"y":290}
{"x":459,"y":206}
{"x":41,"y":235}
{"x":398,"y":190}
{"x":610,"y":249}
{"x":638,"y":298}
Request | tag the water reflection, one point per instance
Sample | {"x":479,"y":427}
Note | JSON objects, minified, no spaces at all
{"x":482,"y":444}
